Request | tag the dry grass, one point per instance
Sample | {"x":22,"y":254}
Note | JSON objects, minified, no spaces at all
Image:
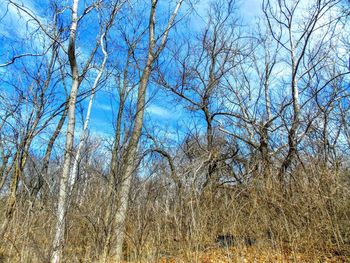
{"x":307,"y":221}
{"x":244,"y":254}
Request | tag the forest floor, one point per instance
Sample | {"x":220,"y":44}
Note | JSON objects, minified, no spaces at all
{"x":252,"y":255}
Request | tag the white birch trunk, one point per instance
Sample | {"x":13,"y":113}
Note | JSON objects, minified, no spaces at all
{"x":83,"y":136}
{"x":63,"y":186}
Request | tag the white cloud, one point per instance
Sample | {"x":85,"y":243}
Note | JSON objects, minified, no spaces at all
{"x":19,"y":20}
{"x":159,"y":111}
{"x":20,"y":29}
{"x":102,"y":106}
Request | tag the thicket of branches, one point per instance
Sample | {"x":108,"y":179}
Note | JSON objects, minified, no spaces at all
{"x":260,"y":154}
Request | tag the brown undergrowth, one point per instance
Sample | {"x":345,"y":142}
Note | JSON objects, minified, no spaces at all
{"x":305,"y":220}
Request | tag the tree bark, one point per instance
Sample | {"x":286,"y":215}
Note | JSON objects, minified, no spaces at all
{"x":83,"y":136}
{"x":46,"y":161}
{"x":129,"y":167}
{"x":63,"y":186}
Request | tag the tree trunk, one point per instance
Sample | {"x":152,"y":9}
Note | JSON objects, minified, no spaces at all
{"x":292,"y":134}
{"x":63,"y":186}
{"x":83,"y":136}
{"x":45,"y":167}
{"x":128,"y":169}
{"x":125,"y":183}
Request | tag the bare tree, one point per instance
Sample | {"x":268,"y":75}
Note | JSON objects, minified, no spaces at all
{"x":35,"y":97}
{"x":204,"y":66}
{"x":152,"y":55}
{"x":297,"y":35}
{"x":255,"y":152}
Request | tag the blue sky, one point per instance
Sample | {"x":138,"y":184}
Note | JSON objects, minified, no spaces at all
{"x":165,"y":116}
{"x":163,"y":111}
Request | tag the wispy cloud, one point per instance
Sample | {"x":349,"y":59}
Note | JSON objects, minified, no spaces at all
{"x":102,"y":106}
{"x":19,"y":34}
{"x":159,"y":111}
{"x":16,"y":21}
